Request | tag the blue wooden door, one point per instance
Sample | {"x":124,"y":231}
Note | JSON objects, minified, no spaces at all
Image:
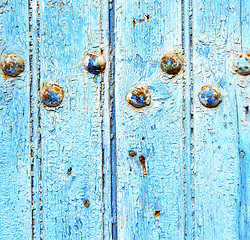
{"x":97,"y":167}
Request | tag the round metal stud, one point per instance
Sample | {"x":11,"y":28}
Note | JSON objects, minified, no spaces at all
{"x":210,"y":96}
{"x":52,"y":95}
{"x":12,"y":65}
{"x":171,"y":63}
{"x":94,"y":62}
{"x":243,"y":64}
{"x":138,"y":97}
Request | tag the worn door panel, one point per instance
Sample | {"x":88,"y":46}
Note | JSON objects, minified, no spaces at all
{"x":70,"y":164}
{"x":218,"y":188}
{"x":96,"y":167}
{"x":151,"y":204}
{"x":15,"y":200}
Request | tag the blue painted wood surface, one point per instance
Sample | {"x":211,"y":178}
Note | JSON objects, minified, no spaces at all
{"x":15,"y":201}
{"x":195,"y":184}
{"x":145,"y":32}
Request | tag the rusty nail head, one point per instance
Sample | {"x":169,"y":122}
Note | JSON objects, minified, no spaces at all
{"x":94,"y":62}
{"x":242,"y":64}
{"x":210,"y":96}
{"x":12,"y":65}
{"x":138,"y":97}
{"x":52,"y":95}
{"x":171,"y":63}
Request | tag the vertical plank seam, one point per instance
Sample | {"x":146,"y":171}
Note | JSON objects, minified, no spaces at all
{"x":39,"y":121}
{"x":101,"y":100}
{"x":35,"y":116}
{"x":242,"y":214}
{"x":241,"y":30}
{"x":187,"y":121}
{"x":241,"y":200}
{"x":113,"y":155}
{"x":31,"y":118}
{"x":102,"y":149}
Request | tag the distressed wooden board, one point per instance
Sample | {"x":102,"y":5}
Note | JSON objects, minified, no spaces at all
{"x":197,"y":159}
{"x":216,"y":132}
{"x":155,"y":131}
{"x":15,"y":221}
{"x":71,"y":134}
{"x":243,"y":111}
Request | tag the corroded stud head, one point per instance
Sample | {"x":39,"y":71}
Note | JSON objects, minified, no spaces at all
{"x":94,"y":62}
{"x":171,"y":63}
{"x":138,"y":97}
{"x":12,"y":65}
{"x":242,"y":64}
{"x":210,"y":96}
{"x":52,"y":95}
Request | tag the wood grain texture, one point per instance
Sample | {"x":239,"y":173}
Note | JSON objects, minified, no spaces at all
{"x":15,"y":221}
{"x":216,"y":41}
{"x":145,"y":31}
{"x":242,"y":91}
{"x":71,"y":135}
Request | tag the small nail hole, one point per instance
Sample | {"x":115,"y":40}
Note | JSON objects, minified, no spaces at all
{"x":241,"y":56}
{"x":86,"y":203}
{"x":247,"y":109}
{"x":247,"y":112}
{"x":143,"y":162}
{"x":242,"y":154}
{"x":69,"y":171}
{"x":143,"y":138}
{"x":132,"y":153}
{"x":134,"y":23}
{"x":157,"y":213}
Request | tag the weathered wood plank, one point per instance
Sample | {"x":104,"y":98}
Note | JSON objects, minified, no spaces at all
{"x":216,"y":38}
{"x":72,"y":137}
{"x":243,"y":111}
{"x":145,"y":31}
{"x":15,"y":222}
